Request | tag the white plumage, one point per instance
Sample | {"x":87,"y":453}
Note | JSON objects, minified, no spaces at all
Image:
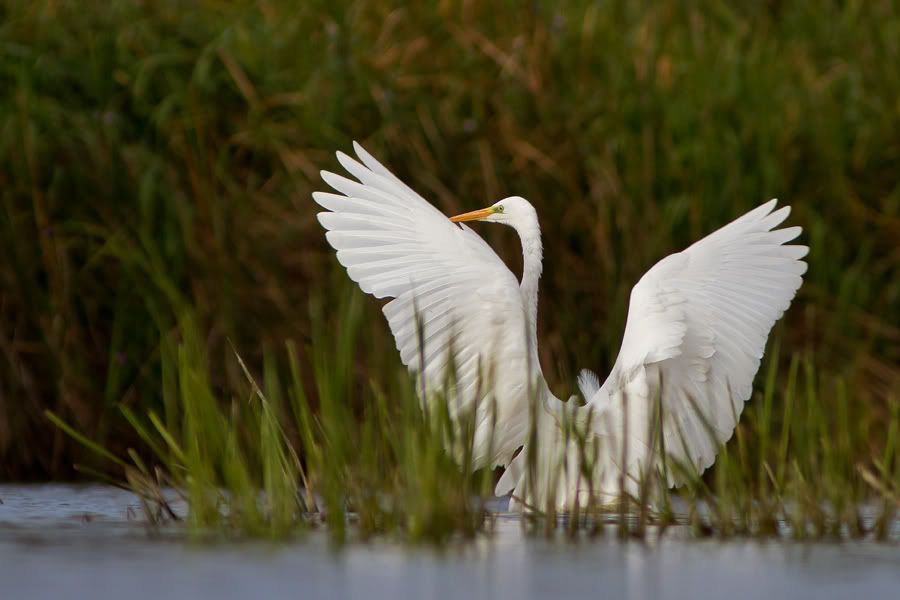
{"x":696,"y":331}
{"x":395,"y":244}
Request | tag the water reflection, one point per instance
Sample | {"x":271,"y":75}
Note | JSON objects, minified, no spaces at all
{"x":77,"y":541}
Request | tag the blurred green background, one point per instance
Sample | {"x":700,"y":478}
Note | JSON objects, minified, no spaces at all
{"x":157,"y":155}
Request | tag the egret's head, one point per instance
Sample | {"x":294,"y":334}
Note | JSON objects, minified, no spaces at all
{"x":513,"y":211}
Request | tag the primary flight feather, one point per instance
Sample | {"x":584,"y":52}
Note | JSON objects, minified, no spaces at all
{"x":696,"y":331}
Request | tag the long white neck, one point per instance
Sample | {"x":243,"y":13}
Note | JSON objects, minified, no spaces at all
{"x":532,"y":254}
{"x":524,"y":221}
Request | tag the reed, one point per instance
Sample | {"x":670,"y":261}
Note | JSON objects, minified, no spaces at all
{"x":266,"y":461}
{"x":156,"y":162}
{"x":191,"y":137}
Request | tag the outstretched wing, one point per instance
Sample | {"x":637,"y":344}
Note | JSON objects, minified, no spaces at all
{"x":696,"y":331}
{"x":455,"y":305}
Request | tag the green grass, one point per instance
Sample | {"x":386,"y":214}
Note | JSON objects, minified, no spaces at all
{"x":264,"y":461}
{"x":156,"y":161}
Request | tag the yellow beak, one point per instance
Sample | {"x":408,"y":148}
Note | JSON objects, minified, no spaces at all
{"x":475,"y":215}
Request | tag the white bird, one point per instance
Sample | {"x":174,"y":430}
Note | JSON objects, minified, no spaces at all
{"x":696,"y":330}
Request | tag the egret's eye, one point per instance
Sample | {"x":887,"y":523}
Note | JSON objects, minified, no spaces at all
{"x":498,"y":208}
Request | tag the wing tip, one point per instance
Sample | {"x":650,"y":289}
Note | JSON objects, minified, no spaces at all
{"x":320,"y":198}
{"x":794,"y":232}
{"x":322,"y":217}
{"x":336,"y":181}
{"x":364,"y":155}
{"x":354,"y":167}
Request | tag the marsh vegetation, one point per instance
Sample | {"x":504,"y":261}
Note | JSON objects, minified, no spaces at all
{"x":156,"y":163}
{"x":264,"y":461}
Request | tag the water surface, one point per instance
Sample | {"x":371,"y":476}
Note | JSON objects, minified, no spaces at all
{"x":89,"y":542}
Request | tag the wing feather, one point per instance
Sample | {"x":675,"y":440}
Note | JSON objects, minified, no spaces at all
{"x":696,"y":330}
{"x":442,"y":278}
{"x":697,"y":327}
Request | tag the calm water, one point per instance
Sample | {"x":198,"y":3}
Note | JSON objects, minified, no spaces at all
{"x":88,"y":542}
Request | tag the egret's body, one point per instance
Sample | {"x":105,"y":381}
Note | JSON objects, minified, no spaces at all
{"x":696,"y":330}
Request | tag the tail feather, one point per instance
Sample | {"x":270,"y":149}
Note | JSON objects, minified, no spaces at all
{"x":588,"y":383}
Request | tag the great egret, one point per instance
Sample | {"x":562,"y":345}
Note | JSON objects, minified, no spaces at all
{"x":695,"y":333}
